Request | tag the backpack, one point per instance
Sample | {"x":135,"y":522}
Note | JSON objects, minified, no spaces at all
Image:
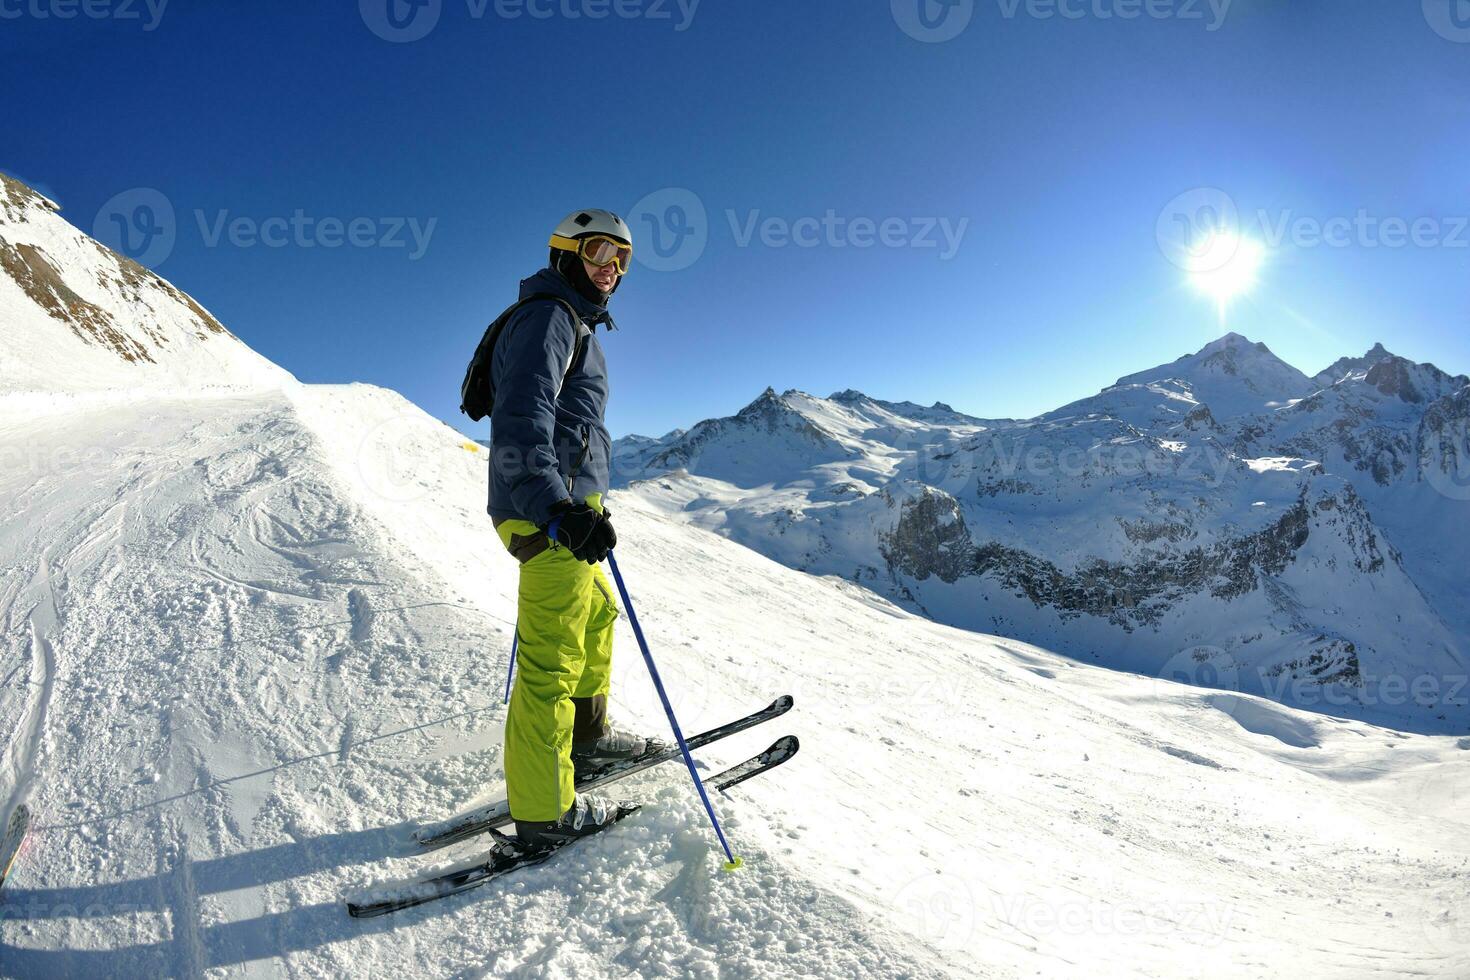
{"x":477,"y":394}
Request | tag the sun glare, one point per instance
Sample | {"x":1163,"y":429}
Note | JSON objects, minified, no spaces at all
{"x":1226,"y":266}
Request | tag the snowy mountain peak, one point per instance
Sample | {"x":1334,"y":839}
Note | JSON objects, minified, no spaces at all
{"x":1345,"y":367}
{"x":1231,"y":341}
{"x":1233,"y":375}
{"x":848,"y":396}
{"x":877,"y":410}
{"x":80,"y":317}
{"x":1396,"y":377}
{"x":765,"y":401}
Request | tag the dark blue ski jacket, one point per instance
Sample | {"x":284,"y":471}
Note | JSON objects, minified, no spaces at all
{"x":547,"y":439}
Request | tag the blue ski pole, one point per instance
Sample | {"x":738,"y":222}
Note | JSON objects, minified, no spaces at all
{"x":510,"y":671}
{"x":733,"y":862}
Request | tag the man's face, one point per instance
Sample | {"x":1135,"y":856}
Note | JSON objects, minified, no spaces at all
{"x":604,"y":277}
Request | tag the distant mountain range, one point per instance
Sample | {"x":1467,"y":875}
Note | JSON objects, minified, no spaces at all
{"x":1223,"y":519}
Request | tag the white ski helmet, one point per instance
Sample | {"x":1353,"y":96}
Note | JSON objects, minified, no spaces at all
{"x":592,"y":221}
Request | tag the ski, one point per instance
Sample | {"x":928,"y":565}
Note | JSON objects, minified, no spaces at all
{"x":780,"y":752}
{"x":15,"y":833}
{"x":496,"y":815}
{"x":507,"y":855}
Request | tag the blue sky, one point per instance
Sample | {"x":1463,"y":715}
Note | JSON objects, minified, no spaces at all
{"x":1048,"y":146}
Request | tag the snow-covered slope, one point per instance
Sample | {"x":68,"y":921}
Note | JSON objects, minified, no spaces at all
{"x":78,"y":317}
{"x":1214,"y":519}
{"x":271,"y":628}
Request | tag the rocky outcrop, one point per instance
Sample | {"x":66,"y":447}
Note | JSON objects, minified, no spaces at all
{"x":32,"y":270}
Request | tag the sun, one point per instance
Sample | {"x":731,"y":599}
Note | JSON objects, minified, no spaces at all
{"x":1225,"y":266}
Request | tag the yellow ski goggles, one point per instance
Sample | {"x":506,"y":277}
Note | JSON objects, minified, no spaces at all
{"x":599,"y":250}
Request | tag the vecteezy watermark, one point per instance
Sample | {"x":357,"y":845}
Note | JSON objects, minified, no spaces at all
{"x":1006,"y":460}
{"x":940,"y":908}
{"x":302,"y":230}
{"x":401,"y":458}
{"x":138,"y":223}
{"x":932,"y":21}
{"x":1191,"y":227}
{"x":832,"y":230}
{"x":1444,"y":459}
{"x":944,"y":910}
{"x":935,"y":21}
{"x":149,"y":13}
{"x":402,"y":21}
{"x":1450,"y":19}
{"x":1202,"y":924}
{"x":678,"y":13}
{"x":1211,"y":12}
{"x":671,"y":227}
{"x":142,"y":224}
{"x":1202,"y":665}
{"x":671,"y":230}
{"x":1389,"y":690}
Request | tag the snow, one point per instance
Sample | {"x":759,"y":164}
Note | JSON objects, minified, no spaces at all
{"x":289,"y":606}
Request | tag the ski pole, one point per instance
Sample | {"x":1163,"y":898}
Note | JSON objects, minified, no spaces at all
{"x":510,"y":670}
{"x":733,"y":862}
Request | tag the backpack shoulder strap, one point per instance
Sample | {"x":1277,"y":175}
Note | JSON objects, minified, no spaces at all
{"x":579,"y":348}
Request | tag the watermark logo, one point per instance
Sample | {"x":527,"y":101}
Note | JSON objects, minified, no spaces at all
{"x":401,"y":21}
{"x":939,"y":908}
{"x":1211,"y":12}
{"x":1444,"y":460}
{"x":672,"y":229}
{"x":652,"y":10}
{"x":149,"y":13}
{"x":1448,"y":928}
{"x":302,"y":230}
{"x":1203,"y":924}
{"x":1198,"y":231}
{"x":1201,"y":230}
{"x":1450,"y":19}
{"x":139,"y":223}
{"x":1203,"y":666}
{"x":933,"y":21}
{"x":400,"y":459}
{"x":832,"y":230}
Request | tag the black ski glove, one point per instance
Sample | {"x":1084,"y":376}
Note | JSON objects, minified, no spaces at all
{"x":587,"y":533}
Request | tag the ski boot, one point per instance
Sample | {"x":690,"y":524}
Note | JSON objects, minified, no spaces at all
{"x":614,"y":745}
{"x":595,"y":743}
{"x":587,"y":815}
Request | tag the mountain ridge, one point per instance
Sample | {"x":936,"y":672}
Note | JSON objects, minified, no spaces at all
{"x":1223,"y":487}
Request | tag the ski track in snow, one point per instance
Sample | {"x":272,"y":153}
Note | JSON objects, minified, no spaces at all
{"x":250,"y":637}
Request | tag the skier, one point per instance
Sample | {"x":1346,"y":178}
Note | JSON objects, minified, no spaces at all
{"x":550,"y":464}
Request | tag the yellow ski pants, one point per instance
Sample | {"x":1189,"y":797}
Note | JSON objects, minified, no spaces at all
{"x":565,"y":613}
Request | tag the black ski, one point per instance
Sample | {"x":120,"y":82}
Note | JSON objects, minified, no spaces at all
{"x":496,"y":815}
{"x":15,"y":835}
{"x":507,"y":855}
